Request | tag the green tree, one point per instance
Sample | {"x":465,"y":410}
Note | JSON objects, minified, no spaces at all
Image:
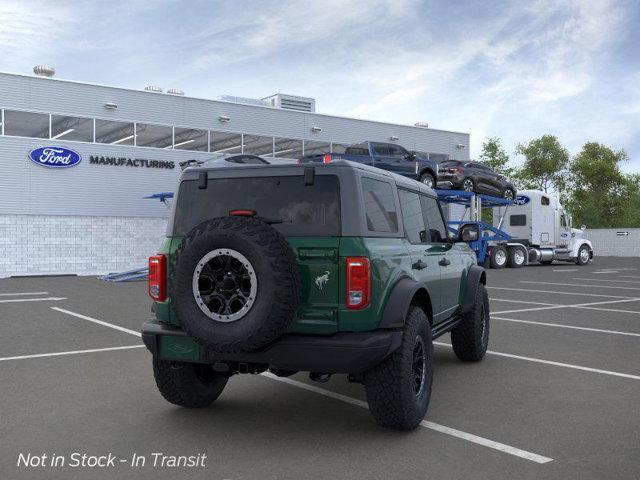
{"x":545,"y":164}
{"x":599,"y":191}
{"x":495,"y":157}
{"x":631,"y":198}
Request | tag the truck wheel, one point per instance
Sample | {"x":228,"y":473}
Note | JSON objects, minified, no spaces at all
{"x":517,"y":257}
{"x":192,"y":385}
{"x":428,"y":180}
{"x":498,"y":256}
{"x":234,"y":284}
{"x":583,"y":255}
{"x":470,"y":337}
{"x":398,"y":389}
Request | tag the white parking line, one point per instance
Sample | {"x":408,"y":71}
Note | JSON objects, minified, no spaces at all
{"x":628,"y":276}
{"x":578,"y":285}
{"x":566,"y":269}
{"x":23,"y":293}
{"x":46,"y":299}
{"x":521,"y":301}
{"x":99,"y":322}
{"x":555,"y":364}
{"x":558,"y":293}
{"x":572,"y":327}
{"x":603,"y":280}
{"x":615,"y":310}
{"x":576,"y":305}
{"x":430,"y":425}
{"x":73,"y":352}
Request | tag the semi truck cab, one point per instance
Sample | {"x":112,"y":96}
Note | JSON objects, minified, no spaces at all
{"x":538,"y":221}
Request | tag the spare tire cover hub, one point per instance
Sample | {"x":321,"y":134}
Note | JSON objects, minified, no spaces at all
{"x":224,"y":285}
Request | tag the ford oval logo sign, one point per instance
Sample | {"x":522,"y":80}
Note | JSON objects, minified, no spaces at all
{"x":56,"y":157}
{"x":521,"y":200}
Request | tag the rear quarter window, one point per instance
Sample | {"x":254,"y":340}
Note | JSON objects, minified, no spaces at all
{"x":380,"y":206}
{"x":304,"y":210}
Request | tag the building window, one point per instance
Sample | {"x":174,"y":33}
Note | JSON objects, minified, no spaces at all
{"x":224,"y":142}
{"x":312,"y":147}
{"x":114,"y":133}
{"x":72,"y":128}
{"x":257,"y":145}
{"x":26,"y":124}
{"x":157,"y":136}
{"x":380,"y":206}
{"x":191,"y":139}
{"x":287,"y":148}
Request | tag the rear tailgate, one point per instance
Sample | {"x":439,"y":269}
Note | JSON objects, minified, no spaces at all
{"x":319,"y":294}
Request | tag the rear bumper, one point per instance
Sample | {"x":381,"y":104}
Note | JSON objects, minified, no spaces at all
{"x":347,"y":352}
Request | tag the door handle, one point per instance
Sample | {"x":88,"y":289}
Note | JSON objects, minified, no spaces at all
{"x":444,"y":262}
{"x":419,"y":265}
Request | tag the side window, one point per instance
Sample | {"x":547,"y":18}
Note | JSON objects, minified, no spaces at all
{"x":517,"y":220}
{"x":563,"y":221}
{"x":433,"y":220}
{"x":544,"y":200}
{"x":412,"y":216}
{"x":396,"y":151}
{"x":381,"y":149}
{"x":380,"y":207}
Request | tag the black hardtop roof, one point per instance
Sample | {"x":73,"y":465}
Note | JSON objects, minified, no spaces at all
{"x":294,"y":168}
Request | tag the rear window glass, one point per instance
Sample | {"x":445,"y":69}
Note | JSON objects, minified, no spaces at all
{"x":304,"y":210}
{"x":380,"y":206}
{"x":450,"y":163}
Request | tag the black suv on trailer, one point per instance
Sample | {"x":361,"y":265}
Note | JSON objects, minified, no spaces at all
{"x":474,"y":177}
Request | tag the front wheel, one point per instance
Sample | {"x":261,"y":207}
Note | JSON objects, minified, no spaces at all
{"x":470,"y":338}
{"x":428,"y":180}
{"x":398,"y":389}
{"x":583,"y":255}
{"x":191,"y":385}
{"x":508,"y":194}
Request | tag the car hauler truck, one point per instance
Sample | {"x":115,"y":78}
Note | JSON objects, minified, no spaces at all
{"x":534,"y":228}
{"x":538,"y":221}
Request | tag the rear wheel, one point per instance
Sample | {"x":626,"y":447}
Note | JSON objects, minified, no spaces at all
{"x":468,"y":185}
{"x":428,"y":180}
{"x":498,"y":257}
{"x":470,"y":338}
{"x":398,"y":389}
{"x":192,"y":385}
{"x":517,"y":257}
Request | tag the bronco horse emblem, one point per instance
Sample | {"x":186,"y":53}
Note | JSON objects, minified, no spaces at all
{"x":322,"y":280}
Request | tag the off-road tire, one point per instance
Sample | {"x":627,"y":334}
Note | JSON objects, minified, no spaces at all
{"x":512,"y":261}
{"x":493,"y":262}
{"x":191,"y":385}
{"x":470,"y":338}
{"x":278,"y":284}
{"x":427,"y":176}
{"x":390,"y":385}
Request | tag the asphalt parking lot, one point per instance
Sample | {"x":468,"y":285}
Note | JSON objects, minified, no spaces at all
{"x":556,"y":397}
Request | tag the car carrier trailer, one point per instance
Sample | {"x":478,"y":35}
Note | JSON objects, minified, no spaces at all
{"x":533,"y":228}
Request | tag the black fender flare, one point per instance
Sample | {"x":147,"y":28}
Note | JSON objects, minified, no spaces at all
{"x":430,"y":171}
{"x":475,"y":275}
{"x":398,"y":302}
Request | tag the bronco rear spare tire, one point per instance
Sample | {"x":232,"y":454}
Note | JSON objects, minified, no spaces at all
{"x":234,"y":284}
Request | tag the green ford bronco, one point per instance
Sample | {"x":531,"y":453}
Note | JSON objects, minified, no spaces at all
{"x":330,"y":268}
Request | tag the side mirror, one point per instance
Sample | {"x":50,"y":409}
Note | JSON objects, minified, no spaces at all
{"x":410,"y":156}
{"x":469,"y":232}
{"x":583,"y":227}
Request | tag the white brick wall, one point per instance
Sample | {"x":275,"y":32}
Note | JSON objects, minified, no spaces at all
{"x":611,"y":242}
{"x":52,"y":245}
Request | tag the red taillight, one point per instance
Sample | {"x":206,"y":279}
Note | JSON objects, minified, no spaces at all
{"x":242,"y":213}
{"x":326,"y":158}
{"x":158,"y":278}
{"x":358,"y":282}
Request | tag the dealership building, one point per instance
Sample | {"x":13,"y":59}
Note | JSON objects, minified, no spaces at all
{"x":77,"y":160}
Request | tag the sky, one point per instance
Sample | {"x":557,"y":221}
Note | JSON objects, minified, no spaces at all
{"x":514,"y":70}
